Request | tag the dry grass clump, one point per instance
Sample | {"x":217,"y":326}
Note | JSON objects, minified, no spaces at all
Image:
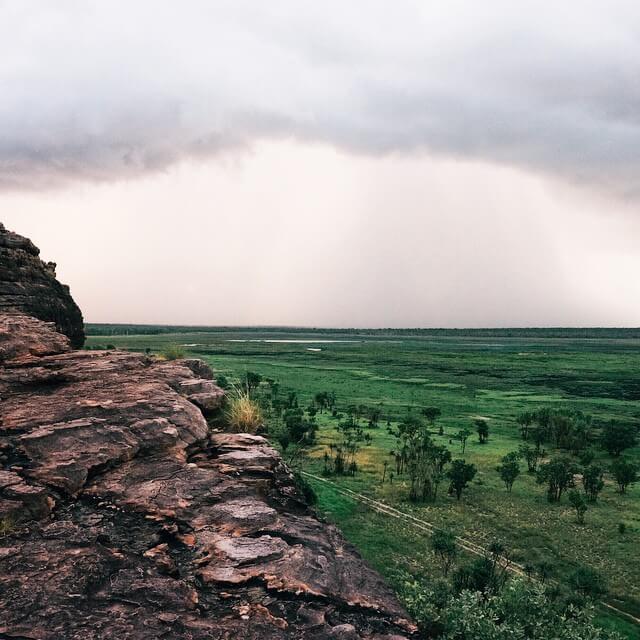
{"x":243,"y":414}
{"x":172,"y":352}
{"x":7,"y":525}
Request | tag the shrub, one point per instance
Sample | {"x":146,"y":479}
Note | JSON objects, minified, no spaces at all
{"x":443,"y":544}
{"x":593,"y":481}
{"x":509,"y":469}
{"x":558,"y":474}
{"x":243,"y":414}
{"x":305,"y":488}
{"x":221,"y":381}
{"x":625,"y":474}
{"x":587,"y":582}
{"x":618,"y":437}
{"x":579,"y":503}
{"x":460,"y":474}
{"x":7,"y":525}
{"x":172,"y":352}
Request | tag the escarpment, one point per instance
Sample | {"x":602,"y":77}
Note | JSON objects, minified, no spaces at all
{"x":124,"y":515}
{"x":29,"y":286}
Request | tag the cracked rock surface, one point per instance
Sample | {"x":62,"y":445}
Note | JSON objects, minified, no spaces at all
{"x":124,"y":515}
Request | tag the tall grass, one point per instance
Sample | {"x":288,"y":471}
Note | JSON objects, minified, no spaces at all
{"x":243,"y":414}
{"x":172,"y":352}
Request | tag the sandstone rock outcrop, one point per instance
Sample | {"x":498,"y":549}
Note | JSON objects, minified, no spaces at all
{"x":124,"y":515}
{"x":29,"y":286}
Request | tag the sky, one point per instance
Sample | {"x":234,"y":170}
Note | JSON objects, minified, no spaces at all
{"x":372,"y":164}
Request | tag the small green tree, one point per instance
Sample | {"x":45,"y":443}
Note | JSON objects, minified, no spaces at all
{"x":558,"y":475}
{"x":587,"y":582}
{"x":221,"y":381}
{"x":252,"y":380}
{"x":524,"y":421}
{"x":618,"y":437}
{"x":432,"y":414}
{"x":531,"y":455}
{"x":461,"y":474}
{"x":482,"y":427}
{"x":579,"y":503}
{"x":463,"y":436}
{"x":625,"y":474}
{"x":509,"y":469}
{"x":443,"y":544}
{"x":593,"y":481}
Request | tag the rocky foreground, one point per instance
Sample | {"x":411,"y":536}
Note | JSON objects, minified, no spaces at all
{"x":123,"y":515}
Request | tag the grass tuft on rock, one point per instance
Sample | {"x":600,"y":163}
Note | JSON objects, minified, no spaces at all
{"x":243,"y":414}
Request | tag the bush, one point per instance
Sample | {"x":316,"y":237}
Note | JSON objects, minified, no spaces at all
{"x":587,"y":582}
{"x":7,"y":525}
{"x":221,"y":381}
{"x":625,"y":474}
{"x":305,"y":488}
{"x":579,"y":503}
{"x":523,"y":609}
{"x":243,"y":414}
{"x":172,"y":352}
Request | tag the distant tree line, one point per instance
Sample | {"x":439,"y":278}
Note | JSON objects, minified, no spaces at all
{"x":106,"y":329}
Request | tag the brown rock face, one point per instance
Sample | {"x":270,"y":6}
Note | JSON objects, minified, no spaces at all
{"x":123,"y":516}
{"x":29,"y":286}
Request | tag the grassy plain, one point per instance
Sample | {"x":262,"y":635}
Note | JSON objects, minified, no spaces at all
{"x":466,"y":376}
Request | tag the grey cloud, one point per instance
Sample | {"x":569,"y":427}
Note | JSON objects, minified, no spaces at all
{"x":103,"y":91}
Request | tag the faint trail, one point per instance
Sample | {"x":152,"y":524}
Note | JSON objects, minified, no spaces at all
{"x":423,"y":525}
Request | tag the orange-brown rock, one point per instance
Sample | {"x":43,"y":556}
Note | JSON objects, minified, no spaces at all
{"x":123,"y":515}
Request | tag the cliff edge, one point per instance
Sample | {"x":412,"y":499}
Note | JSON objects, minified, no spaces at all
{"x":123,"y":515}
{"x":29,"y":286}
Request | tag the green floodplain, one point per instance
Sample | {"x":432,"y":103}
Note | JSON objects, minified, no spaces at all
{"x":490,"y":375}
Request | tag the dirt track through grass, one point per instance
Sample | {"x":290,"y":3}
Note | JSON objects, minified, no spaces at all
{"x":423,"y":525}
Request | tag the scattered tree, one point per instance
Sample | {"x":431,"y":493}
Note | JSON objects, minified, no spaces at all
{"x":592,"y":481}
{"x":558,"y":475}
{"x":587,"y":582}
{"x":342,"y":458}
{"x":587,"y":457}
{"x":531,"y":455}
{"x":431,"y":414}
{"x":463,"y":436}
{"x":579,"y":503}
{"x":509,"y":469}
{"x":252,"y":380}
{"x":486,"y":575}
{"x":565,"y":428}
{"x":525,"y":420}
{"x":625,"y":474}
{"x":461,"y":474}
{"x":482,"y":427}
{"x":618,"y":437}
{"x":418,"y":455}
{"x":221,"y":381}
{"x":443,"y":544}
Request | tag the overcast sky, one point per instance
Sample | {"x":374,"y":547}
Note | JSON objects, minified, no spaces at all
{"x":365,"y":163}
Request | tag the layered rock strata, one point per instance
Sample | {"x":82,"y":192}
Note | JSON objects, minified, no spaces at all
{"x":123,"y":514}
{"x":28,"y":285}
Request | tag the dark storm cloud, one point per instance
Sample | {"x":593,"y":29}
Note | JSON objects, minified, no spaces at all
{"x":102,"y":91}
